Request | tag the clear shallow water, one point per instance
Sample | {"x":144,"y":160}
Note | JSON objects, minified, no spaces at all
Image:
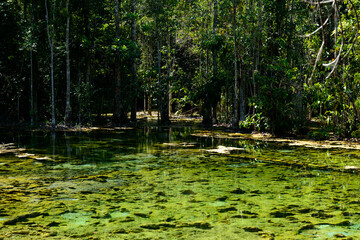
{"x":164,"y":184}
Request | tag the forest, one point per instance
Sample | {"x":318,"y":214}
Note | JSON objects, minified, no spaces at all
{"x":259,"y":65}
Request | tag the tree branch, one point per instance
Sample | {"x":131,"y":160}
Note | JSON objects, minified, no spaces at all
{"x":336,"y":62}
{"x":357,"y":29}
{"x":310,"y":34}
{"x":318,"y":3}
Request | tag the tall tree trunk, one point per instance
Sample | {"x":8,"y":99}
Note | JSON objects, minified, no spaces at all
{"x":242,"y":97}
{"x":236,"y":99}
{"x":31,"y":88}
{"x":133,"y":64}
{"x":160,"y":104}
{"x":120,"y":115}
{"x":51,"y":42}
{"x":34,"y":70}
{"x":67,"y":108}
{"x":79,"y":96}
{"x":210,"y":102}
{"x":149,"y":105}
{"x":163,"y":94}
{"x":206,"y":106}
{"x":168,"y":85}
{"x":214,"y":35}
{"x":87,"y":54}
{"x":28,"y":20}
{"x":215,"y":72}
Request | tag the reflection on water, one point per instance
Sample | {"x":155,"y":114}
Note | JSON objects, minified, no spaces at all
{"x":157,"y":183}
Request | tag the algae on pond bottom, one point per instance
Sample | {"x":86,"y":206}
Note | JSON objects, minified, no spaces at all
{"x":154,"y":190}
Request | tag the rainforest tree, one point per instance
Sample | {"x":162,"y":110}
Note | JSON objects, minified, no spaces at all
{"x":262,"y":65}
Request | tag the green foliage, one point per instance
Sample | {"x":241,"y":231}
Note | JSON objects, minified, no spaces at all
{"x":319,"y":135}
{"x":196,"y":61}
{"x":356,"y":133}
{"x":256,"y":122}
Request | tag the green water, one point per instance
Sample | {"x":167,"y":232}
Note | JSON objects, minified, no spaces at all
{"x":156,"y":183}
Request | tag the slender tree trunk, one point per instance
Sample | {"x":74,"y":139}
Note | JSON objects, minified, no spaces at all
{"x":163,"y":94}
{"x":160,"y":105}
{"x":215,"y":73}
{"x":51,"y":42}
{"x":206,"y":106}
{"x":214,"y":35}
{"x":79,"y":96}
{"x":133,"y":64}
{"x":242,"y":97}
{"x":87,"y":54}
{"x":209,"y":105}
{"x":31,"y":88}
{"x":236,"y":99}
{"x":34,"y":72}
{"x":120,"y":115}
{"x":335,"y":30}
{"x":168,"y":86}
{"x":28,"y":20}
{"x":149,"y":105}
{"x":144,"y":102}
{"x":35,"y":86}
{"x":67,"y":108}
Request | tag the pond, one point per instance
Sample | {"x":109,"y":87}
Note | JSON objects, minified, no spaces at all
{"x":169,"y":183}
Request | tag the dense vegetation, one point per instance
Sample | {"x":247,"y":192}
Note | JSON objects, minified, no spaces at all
{"x":264,"y":65}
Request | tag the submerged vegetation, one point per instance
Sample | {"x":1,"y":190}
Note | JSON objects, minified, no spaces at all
{"x":175,"y":183}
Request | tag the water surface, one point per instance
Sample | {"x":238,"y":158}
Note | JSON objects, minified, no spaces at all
{"x":154,"y":183}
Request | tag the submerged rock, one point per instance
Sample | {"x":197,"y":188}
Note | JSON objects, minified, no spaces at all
{"x":222,"y":198}
{"x":187,"y":192}
{"x":23,"y":218}
{"x":142,"y":215}
{"x":20,"y":232}
{"x":304,"y":210}
{"x":280,"y":214}
{"x":156,"y":226}
{"x":252,"y":229}
{"x":344,"y":223}
{"x":53,"y":224}
{"x":150,"y":226}
{"x":306,"y":227}
{"x":237,"y":191}
{"x":229,"y":209}
{"x":322,"y":215}
{"x":339,"y":235}
{"x":202,"y":225}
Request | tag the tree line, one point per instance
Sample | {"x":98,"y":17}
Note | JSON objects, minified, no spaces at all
{"x":263,"y":65}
